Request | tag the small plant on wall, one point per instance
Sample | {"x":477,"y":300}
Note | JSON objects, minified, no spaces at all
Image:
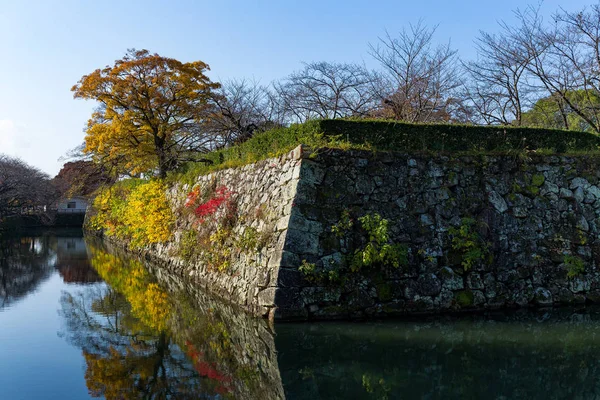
{"x":215,"y":212}
{"x":379,"y":250}
{"x":575,"y":266}
{"x":367,"y":247}
{"x":467,"y":241}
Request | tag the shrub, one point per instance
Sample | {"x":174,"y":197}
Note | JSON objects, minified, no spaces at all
{"x":134,"y":210}
{"x":400,"y":136}
{"x":575,"y":265}
{"x":468,"y":242}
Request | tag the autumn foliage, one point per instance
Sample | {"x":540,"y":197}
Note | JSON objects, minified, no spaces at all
{"x":137,"y":211}
{"x":150,"y":108}
{"x":210,"y":207}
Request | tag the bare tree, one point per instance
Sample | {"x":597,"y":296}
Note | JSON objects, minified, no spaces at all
{"x":419,"y":79}
{"x":497,"y":86}
{"x":241,"y":108}
{"x":22,"y":185}
{"x":327,"y":90}
{"x":565,"y":60}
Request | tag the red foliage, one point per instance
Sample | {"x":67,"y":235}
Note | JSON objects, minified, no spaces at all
{"x":222,"y":195}
{"x":192,"y":197}
{"x":206,"y":369}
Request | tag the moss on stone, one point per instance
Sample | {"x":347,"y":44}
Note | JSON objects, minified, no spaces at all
{"x":384,"y":292}
{"x":464,"y":298}
{"x":533,"y":190}
{"x":538,"y":180}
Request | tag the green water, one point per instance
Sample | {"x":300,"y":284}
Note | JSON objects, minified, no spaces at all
{"x":79,"y":320}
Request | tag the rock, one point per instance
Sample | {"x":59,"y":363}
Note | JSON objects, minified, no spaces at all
{"x":520,"y":212}
{"x":428,"y":285}
{"x":426,"y":220}
{"x":594,"y":191}
{"x":474,"y":281}
{"x":579,"y":195}
{"x":565,"y":193}
{"x":542,"y":297}
{"x":580,"y":284}
{"x":550,"y":187}
{"x":450,"y":280}
{"x":582,"y":224}
{"x":497,"y":201}
{"x":579,"y":183}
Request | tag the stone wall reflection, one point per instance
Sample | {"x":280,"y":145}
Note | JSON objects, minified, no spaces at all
{"x":548,"y":355}
{"x":153,"y":336}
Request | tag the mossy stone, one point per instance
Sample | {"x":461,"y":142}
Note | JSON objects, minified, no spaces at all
{"x":538,"y":180}
{"x":384,"y":292}
{"x":464,"y":298}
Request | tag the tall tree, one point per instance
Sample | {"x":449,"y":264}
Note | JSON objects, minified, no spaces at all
{"x":496,"y":86}
{"x":553,"y":112}
{"x":419,"y":79}
{"x":565,"y":59}
{"x":150,"y":111}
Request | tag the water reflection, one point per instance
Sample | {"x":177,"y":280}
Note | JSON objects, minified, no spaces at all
{"x":533,"y":355}
{"x":72,"y":261}
{"x":25,"y":262}
{"x":139,"y":341}
{"x":521,"y":355}
{"x":124,"y":358}
{"x":144,"y":333}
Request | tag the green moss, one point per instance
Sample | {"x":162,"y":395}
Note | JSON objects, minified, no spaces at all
{"x":464,"y":298}
{"x":575,"y":265}
{"x":533,"y":190}
{"x":538,"y":180}
{"x":384,"y":292}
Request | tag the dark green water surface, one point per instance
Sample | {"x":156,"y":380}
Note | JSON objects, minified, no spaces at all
{"x":79,"y":320}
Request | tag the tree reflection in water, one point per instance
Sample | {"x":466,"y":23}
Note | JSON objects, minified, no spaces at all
{"x":139,"y":341}
{"x":124,"y":357}
{"x":25,"y":262}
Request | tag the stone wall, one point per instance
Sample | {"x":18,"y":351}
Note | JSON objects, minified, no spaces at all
{"x":533,"y":220}
{"x":263,"y":195}
{"x":480,"y":232}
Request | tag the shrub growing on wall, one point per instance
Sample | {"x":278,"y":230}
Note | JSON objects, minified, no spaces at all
{"x":134,"y":210}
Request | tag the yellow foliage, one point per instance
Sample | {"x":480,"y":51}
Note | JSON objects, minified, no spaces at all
{"x":149,"y":303}
{"x":139,"y":212}
{"x":149,"y":106}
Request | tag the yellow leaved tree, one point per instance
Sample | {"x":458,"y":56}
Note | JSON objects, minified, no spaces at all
{"x":150,"y":113}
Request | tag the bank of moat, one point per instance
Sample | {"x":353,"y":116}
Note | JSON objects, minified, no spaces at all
{"x":338,"y":234}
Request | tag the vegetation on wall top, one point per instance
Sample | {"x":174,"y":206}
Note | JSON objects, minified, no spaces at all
{"x":381,"y":135}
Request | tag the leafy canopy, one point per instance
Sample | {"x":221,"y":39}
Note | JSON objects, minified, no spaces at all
{"x":149,"y":114}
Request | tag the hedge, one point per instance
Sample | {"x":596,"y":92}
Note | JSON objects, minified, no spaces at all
{"x":393,"y":136}
{"x":399,"y":136}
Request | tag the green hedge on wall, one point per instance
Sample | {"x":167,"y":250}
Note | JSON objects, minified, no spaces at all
{"x":390,"y":135}
{"x":393,"y":136}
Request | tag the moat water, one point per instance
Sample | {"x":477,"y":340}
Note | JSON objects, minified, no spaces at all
{"x":79,"y":321}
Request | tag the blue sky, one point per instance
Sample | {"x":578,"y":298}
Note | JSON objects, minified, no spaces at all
{"x":46,"y":46}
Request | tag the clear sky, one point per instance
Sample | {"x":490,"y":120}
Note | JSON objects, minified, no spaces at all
{"x":46,"y":46}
